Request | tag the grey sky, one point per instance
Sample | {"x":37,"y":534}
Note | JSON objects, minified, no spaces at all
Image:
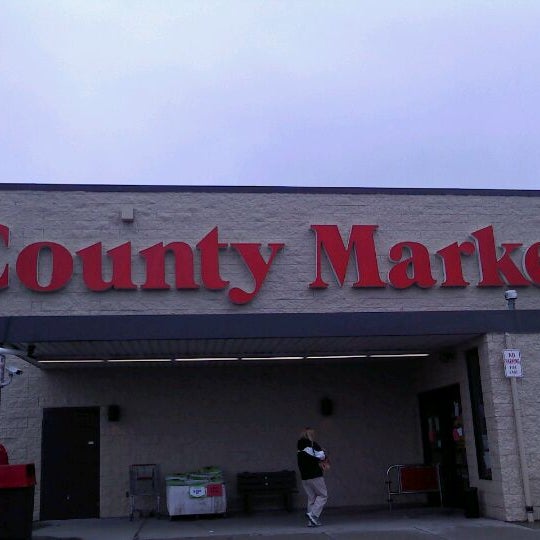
{"x":430,"y":93}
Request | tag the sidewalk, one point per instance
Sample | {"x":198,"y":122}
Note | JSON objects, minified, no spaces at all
{"x":339,"y":524}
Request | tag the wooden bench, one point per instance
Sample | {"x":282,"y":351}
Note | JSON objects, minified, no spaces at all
{"x":251,"y":485}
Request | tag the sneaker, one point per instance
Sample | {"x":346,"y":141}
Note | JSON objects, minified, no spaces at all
{"x":313,"y":519}
{"x":309,"y":524}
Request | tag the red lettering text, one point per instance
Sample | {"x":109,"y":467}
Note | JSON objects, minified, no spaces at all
{"x":491,"y":267}
{"x":328,"y":239}
{"x":93,"y":267}
{"x":28,"y":266}
{"x":413,"y":270}
{"x":155,"y":266}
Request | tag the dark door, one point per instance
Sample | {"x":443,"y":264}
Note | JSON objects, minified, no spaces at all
{"x":70,"y":463}
{"x":444,"y":440}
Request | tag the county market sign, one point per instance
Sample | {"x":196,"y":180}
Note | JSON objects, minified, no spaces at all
{"x":410,"y":263}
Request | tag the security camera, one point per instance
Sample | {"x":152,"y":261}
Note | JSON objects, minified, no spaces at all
{"x":510,"y":295}
{"x":14,"y":371}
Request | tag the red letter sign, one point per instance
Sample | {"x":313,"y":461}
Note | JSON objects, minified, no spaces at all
{"x":451,"y":257}
{"x":93,"y":267}
{"x":209,"y":247}
{"x":361,"y":239}
{"x":414,"y":270}
{"x":27,"y":266}
{"x":155,"y":266}
{"x":492,"y":268}
{"x":532,"y":263}
{"x":257,"y":266}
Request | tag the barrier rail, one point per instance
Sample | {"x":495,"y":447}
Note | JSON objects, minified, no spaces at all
{"x":413,"y":479}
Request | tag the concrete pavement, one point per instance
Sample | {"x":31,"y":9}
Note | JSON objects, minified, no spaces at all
{"x":338,"y":524}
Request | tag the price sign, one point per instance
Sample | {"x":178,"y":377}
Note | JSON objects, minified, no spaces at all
{"x":512,"y":363}
{"x":197,"y":491}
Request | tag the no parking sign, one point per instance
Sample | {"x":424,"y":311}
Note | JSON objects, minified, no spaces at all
{"x":512,"y":363}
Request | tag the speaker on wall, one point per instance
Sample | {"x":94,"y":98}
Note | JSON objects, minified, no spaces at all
{"x":327,"y":406}
{"x":113,"y":413}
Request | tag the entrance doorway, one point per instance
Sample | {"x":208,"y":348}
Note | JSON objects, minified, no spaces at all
{"x":444,"y":441}
{"x":70,"y":463}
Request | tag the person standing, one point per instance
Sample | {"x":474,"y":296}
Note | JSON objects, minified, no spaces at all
{"x":310,"y":456}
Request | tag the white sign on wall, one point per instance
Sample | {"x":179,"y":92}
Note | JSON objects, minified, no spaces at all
{"x":512,"y":363}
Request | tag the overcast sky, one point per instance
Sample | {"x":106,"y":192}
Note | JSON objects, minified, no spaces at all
{"x":431,"y":93}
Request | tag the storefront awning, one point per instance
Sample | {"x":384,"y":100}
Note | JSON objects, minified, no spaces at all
{"x":41,"y":340}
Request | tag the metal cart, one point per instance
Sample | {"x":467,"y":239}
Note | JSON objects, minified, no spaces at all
{"x":144,"y":482}
{"x":413,"y":479}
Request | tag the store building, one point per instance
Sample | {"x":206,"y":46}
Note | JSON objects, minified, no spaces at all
{"x":197,"y":326}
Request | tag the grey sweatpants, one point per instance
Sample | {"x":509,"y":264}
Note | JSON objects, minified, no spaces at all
{"x":317,"y":495}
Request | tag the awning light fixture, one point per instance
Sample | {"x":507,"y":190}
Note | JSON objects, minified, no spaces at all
{"x":399,"y":355}
{"x":215,"y":359}
{"x":272,"y":358}
{"x":231,"y":358}
{"x":121,"y":360}
{"x":336,"y":356}
{"x":71,"y":361}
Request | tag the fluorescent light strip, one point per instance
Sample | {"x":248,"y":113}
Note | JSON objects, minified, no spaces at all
{"x":220,"y":359}
{"x":121,"y":360}
{"x":336,"y":356}
{"x":71,"y":361}
{"x":272,"y":358}
{"x":408,"y":355}
{"x":205,"y":359}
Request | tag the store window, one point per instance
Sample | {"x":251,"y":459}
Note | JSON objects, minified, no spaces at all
{"x":478,"y":414}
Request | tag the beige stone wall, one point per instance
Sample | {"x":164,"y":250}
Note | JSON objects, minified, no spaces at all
{"x":510,"y":502}
{"x":77,"y":220}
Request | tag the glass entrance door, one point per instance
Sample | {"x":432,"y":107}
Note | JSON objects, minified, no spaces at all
{"x":444,"y":440}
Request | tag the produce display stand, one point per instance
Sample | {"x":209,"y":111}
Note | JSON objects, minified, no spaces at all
{"x":196,"y":493}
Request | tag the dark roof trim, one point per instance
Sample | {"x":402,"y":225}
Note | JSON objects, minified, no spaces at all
{"x":111,"y":188}
{"x":268,"y":325}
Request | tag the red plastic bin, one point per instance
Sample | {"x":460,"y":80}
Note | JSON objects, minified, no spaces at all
{"x":17,"y":485}
{"x":16,"y":476}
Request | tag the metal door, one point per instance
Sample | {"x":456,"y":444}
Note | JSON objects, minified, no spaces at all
{"x":444,"y":440}
{"x":70,"y":463}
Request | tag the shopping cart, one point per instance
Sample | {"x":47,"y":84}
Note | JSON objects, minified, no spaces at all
{"x":144,"y":483}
